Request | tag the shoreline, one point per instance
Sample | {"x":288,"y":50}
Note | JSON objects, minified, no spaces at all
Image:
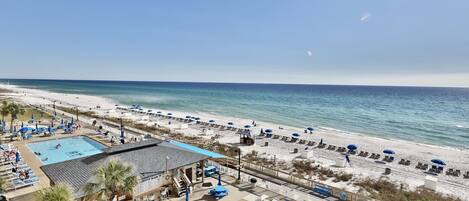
{"x":109,"y":103}
{"x":363,"y":168}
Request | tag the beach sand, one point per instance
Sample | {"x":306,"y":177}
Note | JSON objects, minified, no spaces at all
{"x":360,"y":167}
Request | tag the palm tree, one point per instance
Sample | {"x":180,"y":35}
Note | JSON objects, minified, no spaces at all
{"x":115,"y":178}
{"x":3,"y":185}
{"x":4,"y":112}
{"x":14,"y":110}
{"x":60,"y":192}
{"x":4,"y":109}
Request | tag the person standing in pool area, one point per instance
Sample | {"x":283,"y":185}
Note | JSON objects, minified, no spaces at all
{"x":58,"y":146}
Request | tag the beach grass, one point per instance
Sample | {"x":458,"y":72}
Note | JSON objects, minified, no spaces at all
{"x":385,"y":190}
{"x":28,"y":112}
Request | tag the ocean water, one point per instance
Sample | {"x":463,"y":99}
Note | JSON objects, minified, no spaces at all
{"x":438,"y":116}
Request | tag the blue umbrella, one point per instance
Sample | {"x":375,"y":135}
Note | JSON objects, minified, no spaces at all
{"x":230,"y":123}
{"x":169,"y":114}
{"x":268,"y":130}
{"x":188,"y":117}
{"x":310,"y":128}
{"x":295,"y":135}
{"x":438,"y":161}
{"x":352,"y":146}
{"x":17,"y":157}
{"x":159,"y":112}
{"x":247,"y":126}
{"x":211,"y":121}
{"x":388,"y":151}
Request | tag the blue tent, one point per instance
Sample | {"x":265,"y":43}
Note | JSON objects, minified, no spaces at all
{"x":352,"y":147}
{"x":438,"y":162}
{"x":268,"y":130}
{"x":295,"y":135}
{"x":247,"y":126}
{"x":310,"y":128}
{"x":388,"y":151}
{"x":230,"y":123}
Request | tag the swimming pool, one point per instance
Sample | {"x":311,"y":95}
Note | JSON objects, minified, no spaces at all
{"x":70,"y":148}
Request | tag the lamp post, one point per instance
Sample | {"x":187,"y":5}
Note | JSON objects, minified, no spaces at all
{"x":239,"y":164}
{"x":77,"y":113}
{"x":55,"y":113}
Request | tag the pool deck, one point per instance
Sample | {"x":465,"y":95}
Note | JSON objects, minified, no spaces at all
{"x":33,"y":161}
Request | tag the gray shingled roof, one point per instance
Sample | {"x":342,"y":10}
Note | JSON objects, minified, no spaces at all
{"x":148,"y":157}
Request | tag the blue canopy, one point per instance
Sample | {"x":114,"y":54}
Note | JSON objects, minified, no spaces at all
{"x":24,"y":129}
{"x":170,"y":113}
{"x":197,"y":118}
{"x":438,"y":161}
{"x":295,"y":135}
{"x":211,"y":121}
{"x":188,"y":117}
{"x":388,"y":151}
{"x":268,"y":130}
{"x":352,"y":146}
{"x":230,"y":123}
{"x":247,"y":126}
{"x":310,"y":128}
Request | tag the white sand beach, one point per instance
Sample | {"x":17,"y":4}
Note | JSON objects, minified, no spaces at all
{"x":361,"y":167}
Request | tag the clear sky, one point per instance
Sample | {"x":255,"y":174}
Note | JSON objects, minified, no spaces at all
{"x":380,"y":42}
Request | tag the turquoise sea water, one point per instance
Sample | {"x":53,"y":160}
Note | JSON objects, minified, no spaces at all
{"x":437,"y":116}
{"x":71,"y":148}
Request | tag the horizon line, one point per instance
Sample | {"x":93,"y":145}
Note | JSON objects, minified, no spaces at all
{"x":216,"y":82}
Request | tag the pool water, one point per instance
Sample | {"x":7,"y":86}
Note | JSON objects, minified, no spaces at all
{"x":70,"y":148}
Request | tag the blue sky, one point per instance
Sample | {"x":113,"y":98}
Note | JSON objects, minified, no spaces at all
{"x":395,"y":42}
